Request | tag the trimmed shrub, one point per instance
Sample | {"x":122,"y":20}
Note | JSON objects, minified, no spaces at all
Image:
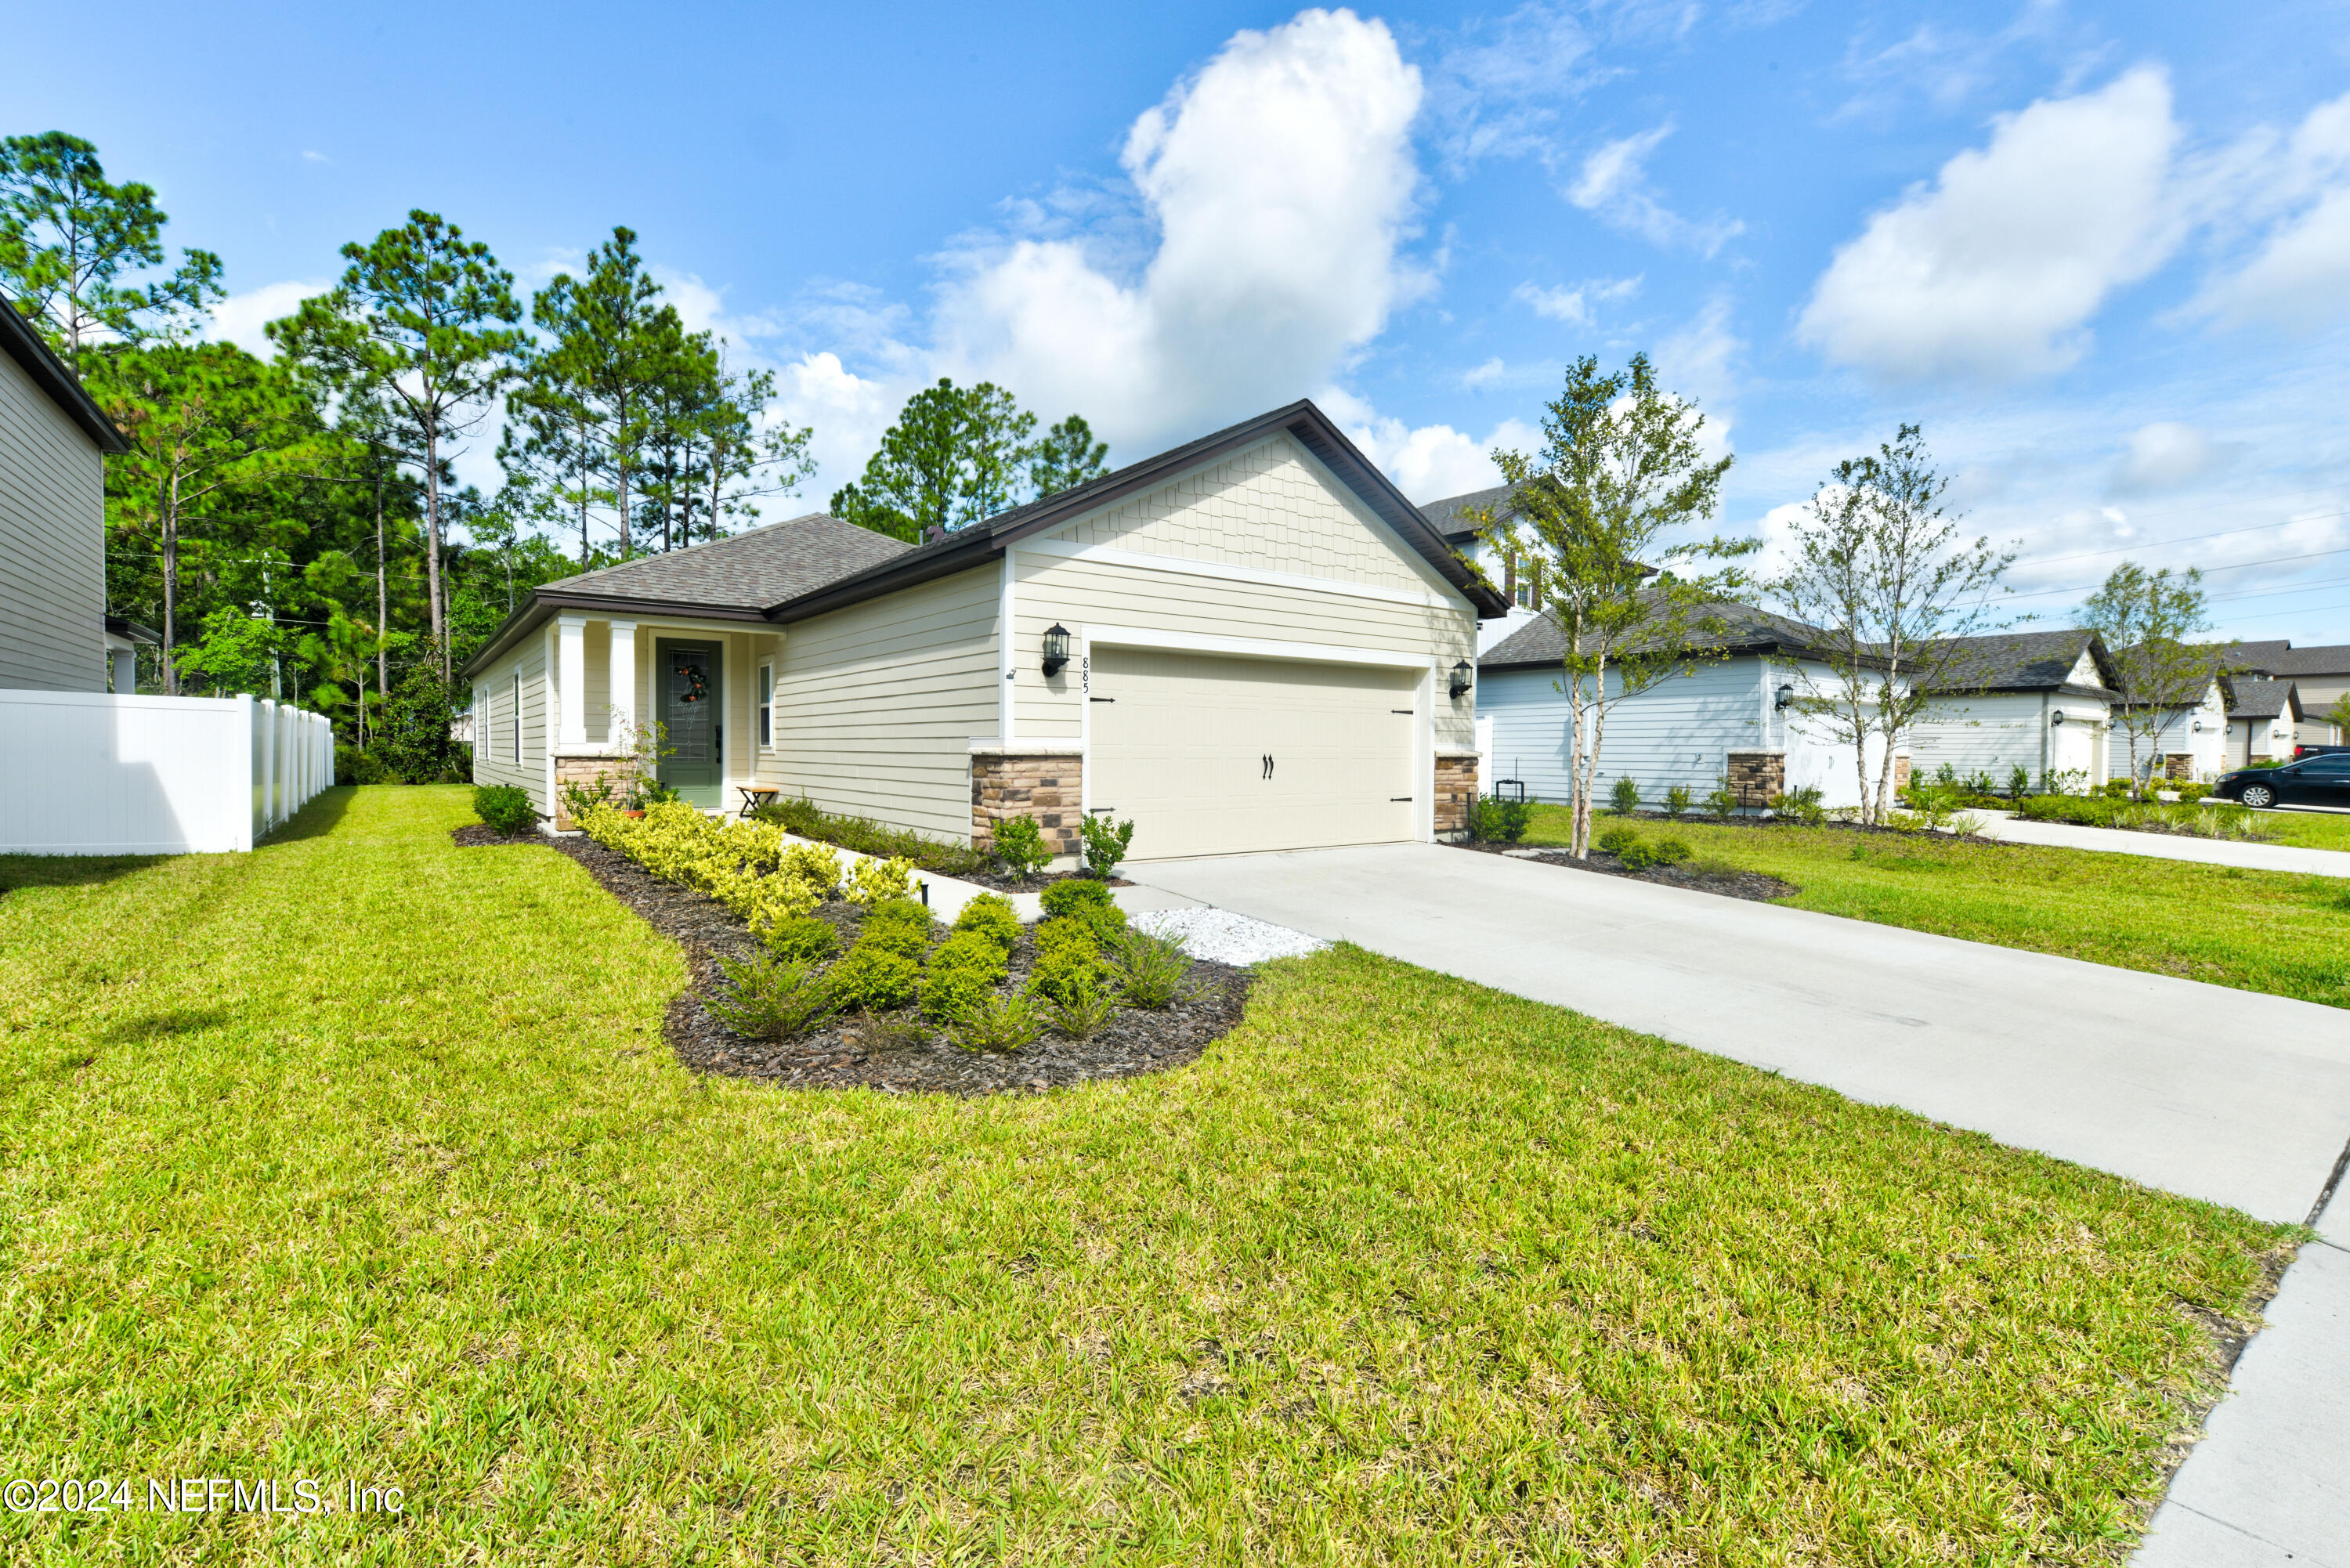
{"x":1799,"y":805}
{"x":1493,"y":820}
{"x":1615,"y":840}
{"x":1085,"y":901}
{"x":1677,"y":802}
{"x":962,"y":971}
{"x":874,"y":979}
{"x":992,"y":914}
{"x":1671,"y":851}
{"x":505,"y":808}
{"x":802,"y":939}
{"x":803,"y":819}
{"x":1105,"y":842}
{"x":770,"y":999}
{"x":1020,"y":844}
{"x":871,"y":881}
{"x":898,"y":926}
{"x":1068,"y":970}
{"x":1624,"y":796}
{"x":814,"y":867}
{"x":1081,"y":1014}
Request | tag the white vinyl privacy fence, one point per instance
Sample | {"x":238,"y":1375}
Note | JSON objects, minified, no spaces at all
{"x":83,"y":772}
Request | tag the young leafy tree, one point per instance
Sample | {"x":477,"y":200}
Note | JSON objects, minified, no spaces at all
{"x":2146,"y":620}
{"x":1878,"y":565}
{"x":423,"y":318}
{"x":70,"y":243}
{"x":1066,"y":456}
{"x":955,"y":456}
{"x":2338,"y":716}
{"x":1620,"y":471}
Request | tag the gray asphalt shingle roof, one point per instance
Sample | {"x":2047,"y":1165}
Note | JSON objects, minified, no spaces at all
{"x":1446,"y":514}
{"x":2252,"y":698}
{"x":750,"y":570}
{"x":2023,"y":660}
{"x":1743,"y":629}
{"x":2281,"y":658}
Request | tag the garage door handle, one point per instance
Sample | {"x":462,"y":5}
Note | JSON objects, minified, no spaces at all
{"x":1393,"y":798}
{"x":1266,"y":770}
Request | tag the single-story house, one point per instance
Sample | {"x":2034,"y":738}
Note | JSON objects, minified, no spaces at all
{"x":2189,"y":740}
{"x":1254,"y":641}
{"x":1520,"y":582}
{"x":1731,"y":718}
{"x":2320,"y":677}
{"x":2041,"y":701}
{"x":2262,"y":717}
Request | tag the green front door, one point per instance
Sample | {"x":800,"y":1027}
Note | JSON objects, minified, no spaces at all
{"x":690,"y":679}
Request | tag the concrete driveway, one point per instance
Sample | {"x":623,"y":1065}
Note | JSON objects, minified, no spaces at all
{"x":2224,"y":1095}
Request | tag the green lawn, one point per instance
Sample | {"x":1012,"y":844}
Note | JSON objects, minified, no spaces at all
{"x":361,"y":1155}
{"x":2311,"y":829}
{"x":2255,"y":930}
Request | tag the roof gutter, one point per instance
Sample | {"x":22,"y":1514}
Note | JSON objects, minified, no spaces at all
{"x":542,"y":603}
{"x":57,"y":378}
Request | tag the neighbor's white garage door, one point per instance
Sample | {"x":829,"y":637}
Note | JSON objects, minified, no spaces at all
{"x":1211,"y":755}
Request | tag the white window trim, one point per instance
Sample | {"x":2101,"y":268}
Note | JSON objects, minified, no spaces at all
{"x":762,"y":706}
{"x":516,"y":700}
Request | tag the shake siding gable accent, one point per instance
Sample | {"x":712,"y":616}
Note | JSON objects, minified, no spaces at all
{"x":52,"y":543}
{"x":877,"y":704}
{"x":1272,"y":507}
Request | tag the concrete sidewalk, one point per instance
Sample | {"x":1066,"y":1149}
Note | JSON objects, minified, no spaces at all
{"x":2169,"y":845}
{"x":2269,"y":1484}
{"x":2223,"y":1094}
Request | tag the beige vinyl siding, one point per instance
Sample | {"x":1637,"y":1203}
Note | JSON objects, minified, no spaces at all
{"x":1272,"y":507}
{"x":877,"y":704}
{"x":494,"y":763}
{"x":1078,"y":592}
{"x":52,"y":544}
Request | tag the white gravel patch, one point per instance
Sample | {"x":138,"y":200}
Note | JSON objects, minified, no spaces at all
{"x":1222,"y":937}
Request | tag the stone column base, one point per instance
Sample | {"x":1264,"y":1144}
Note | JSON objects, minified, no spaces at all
{"x":582,"y":768}
{"x":1048,"y":787}
{"x":1755,"y":776}
{"x":1456,"y":791}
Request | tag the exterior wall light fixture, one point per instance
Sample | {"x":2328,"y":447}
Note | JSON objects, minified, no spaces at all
{"x":2057,"y":717}
{"x":1461,"y":679}
{"x":1786,"y":696}
{"x":1056,"y":650}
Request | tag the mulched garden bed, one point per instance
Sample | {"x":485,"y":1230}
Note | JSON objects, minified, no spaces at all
{"x":998,"y":882}
{"x":476,"y":834}
{"x":1750,"y":884}
{"x":899,"y":1054}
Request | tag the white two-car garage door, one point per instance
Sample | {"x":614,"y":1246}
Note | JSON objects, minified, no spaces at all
{"x":1215,"y":755}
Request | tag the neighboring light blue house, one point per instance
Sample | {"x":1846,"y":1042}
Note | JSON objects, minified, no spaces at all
{"x":1726,"y":719}
{"x":1521,"y":590}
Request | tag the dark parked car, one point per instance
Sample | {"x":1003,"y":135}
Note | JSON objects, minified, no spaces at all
{"x":2301,"y":752}
{"x":2310,"y":781}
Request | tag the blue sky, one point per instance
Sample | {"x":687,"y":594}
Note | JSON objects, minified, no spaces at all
{"x":2102,"y":254}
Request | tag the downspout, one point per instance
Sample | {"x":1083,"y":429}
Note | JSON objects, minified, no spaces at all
{"x":2045,"y":757}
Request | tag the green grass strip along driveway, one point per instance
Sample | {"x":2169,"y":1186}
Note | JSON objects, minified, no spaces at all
{"x":2257,"y":930}
{"x":360,"y":1156}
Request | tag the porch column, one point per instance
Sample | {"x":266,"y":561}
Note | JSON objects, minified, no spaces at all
{"x":571,"y":681}
{"x":623,"y":682}
{"x":126,"y":670}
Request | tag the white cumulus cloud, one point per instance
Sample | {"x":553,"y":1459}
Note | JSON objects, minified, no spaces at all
{"x":1993,"y":271}
{"x":1428,"y":462}
{"x":1281,"y":183}
{"x":240,"y":317}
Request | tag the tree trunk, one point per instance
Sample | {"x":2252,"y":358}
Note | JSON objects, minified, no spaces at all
{"x":1887,"y":726}
{"x":432,"y":540}
{"x":382,"y":610}
{"x":1591,"y":764}
{"x":171,"y":532}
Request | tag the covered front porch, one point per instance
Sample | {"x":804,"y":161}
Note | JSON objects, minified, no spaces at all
{"x":686,"y":697}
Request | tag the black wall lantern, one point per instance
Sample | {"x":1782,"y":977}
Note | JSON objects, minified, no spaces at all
{"x":1056,"y":650}
{"x":1786,"y":696}
{"x":1461,"y":679}
{"x":2058,"y":717}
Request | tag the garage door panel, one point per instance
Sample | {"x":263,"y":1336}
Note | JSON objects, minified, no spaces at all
{"x":1180,"y":744}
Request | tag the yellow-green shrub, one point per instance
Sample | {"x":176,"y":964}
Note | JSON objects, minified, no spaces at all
{"x":871,"y":881}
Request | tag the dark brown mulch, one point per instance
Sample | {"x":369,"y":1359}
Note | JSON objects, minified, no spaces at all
{"x":1750,"y":884}
{"x":899,"y":1054}
{"x":1003,"y":883}
{"x":477,"y":833}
